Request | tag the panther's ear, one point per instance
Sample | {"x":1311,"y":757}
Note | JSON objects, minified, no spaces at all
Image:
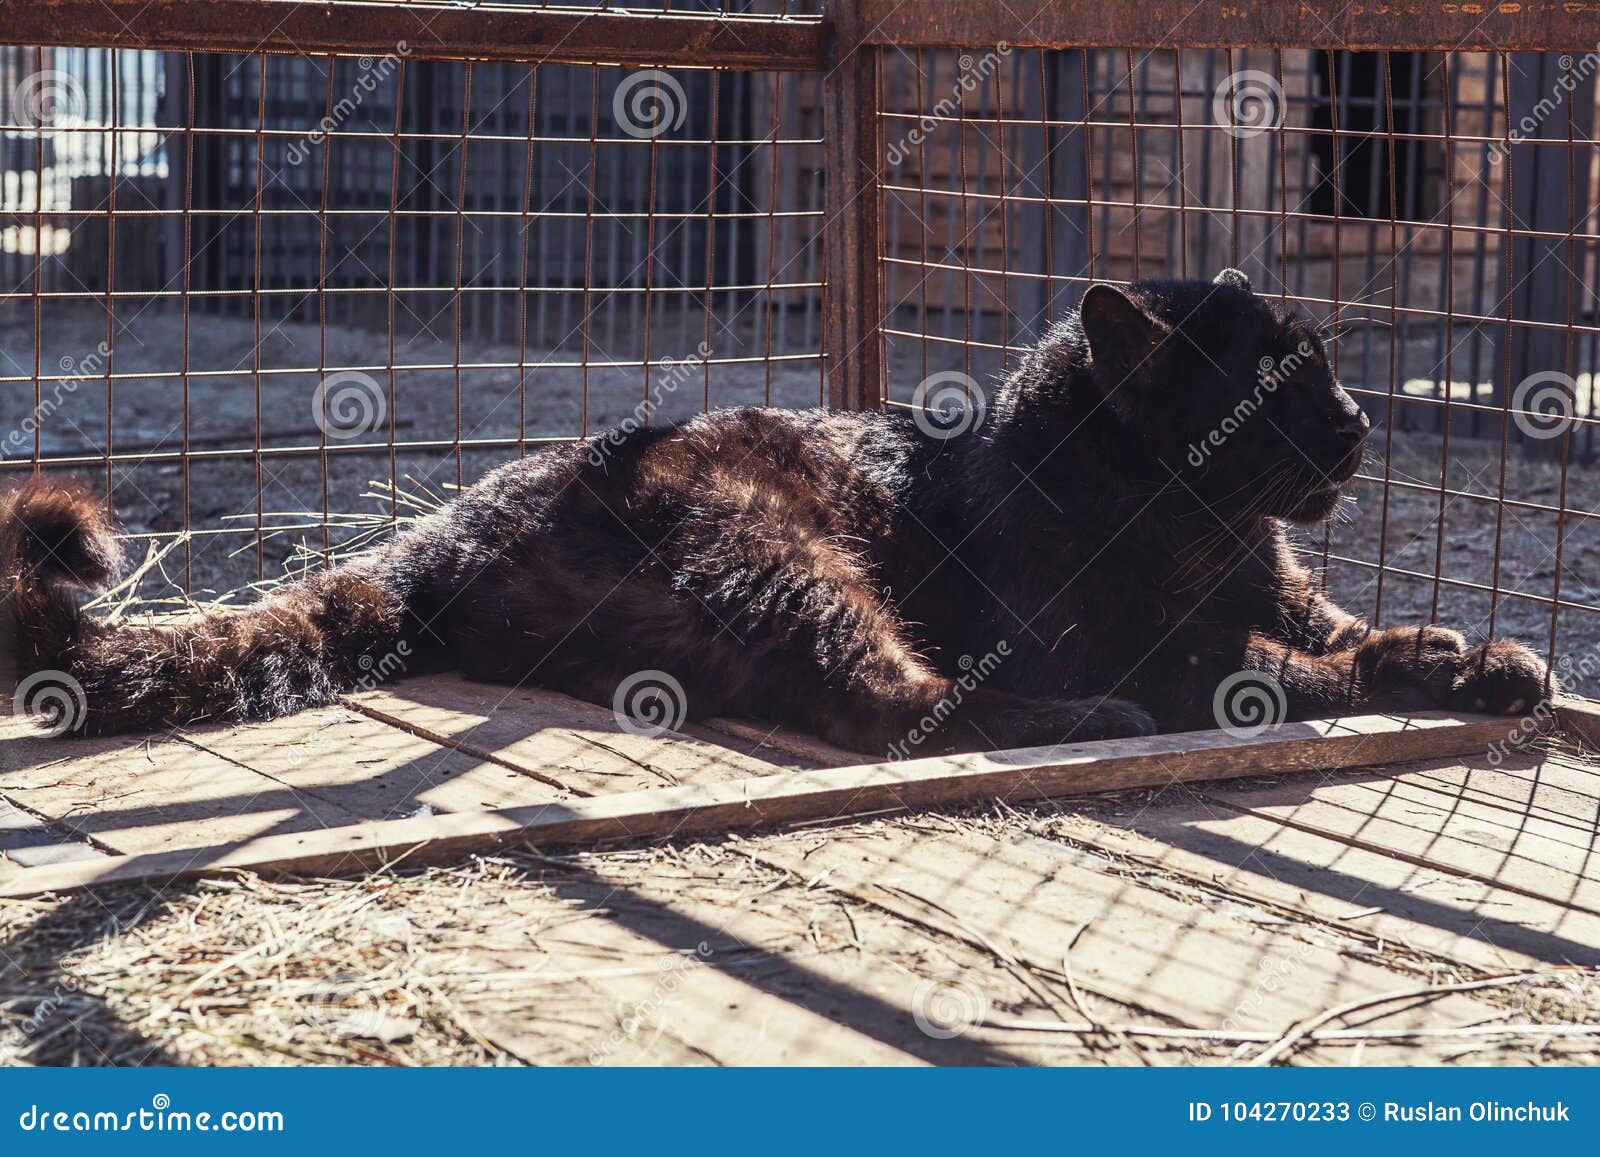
{"x":1121,"y":334}
{"x":1234,"y":279}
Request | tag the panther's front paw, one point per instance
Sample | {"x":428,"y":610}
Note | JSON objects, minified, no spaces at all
{"x":1404,"y":664}
{"x":1500,"y":679}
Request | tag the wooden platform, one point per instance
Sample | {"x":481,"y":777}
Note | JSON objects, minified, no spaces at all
{"x":1178,"y":903}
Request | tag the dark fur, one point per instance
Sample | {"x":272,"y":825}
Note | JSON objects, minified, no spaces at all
{"x":841,"y":571}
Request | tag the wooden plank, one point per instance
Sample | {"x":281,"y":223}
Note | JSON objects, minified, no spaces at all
{"x":26,"y":841}
{"x":1531,"y":857}
{"x":826,"y":794}
{"x":1549,"y":786}
{"x":1163,"y":956}
{"x":565,"y":742}
{"x":151,"y":793}
{"x":371,"y":769}
{"x":1580,"y":718}
{"x":1373,"y":896}
{"x":670,"y":979}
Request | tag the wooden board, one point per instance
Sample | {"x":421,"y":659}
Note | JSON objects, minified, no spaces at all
{"x":370,"y":769}
{"x":26,"y":841}
{"x":152,"y":793}
{"x":565,"y":742}
{"x":825,"y":794}
{"x":1533,"y":858}
{"x":323,"y":768}
{"x":1373,"y":896}
{"x":1166,"y":959}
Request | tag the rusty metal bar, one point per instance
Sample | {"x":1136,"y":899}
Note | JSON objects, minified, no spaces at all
{"x":851,"y":101}
{"x":422,"y":30}
{"x":1417,"y":25}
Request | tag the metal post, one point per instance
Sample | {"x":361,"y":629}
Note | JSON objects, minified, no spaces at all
{"x":853,"y":219}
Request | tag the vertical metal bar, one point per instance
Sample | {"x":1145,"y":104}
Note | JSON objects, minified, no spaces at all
{"x":967,"y":258}
{"x":588,"y":239}
{"x":1283,"y":187}
{"x":1570,"y":370}
{"x":923,"y":177}
{"x":1449,"y":248}
{"x":1234,"y":181}
{"x":1133,"y":141}
{"x":1394,"y":341}
{"x":522,"y":277}
{"x":113,"y":169}
{"x":772,"y":225}
{"x":255,"y":302}
{"x":1506,"y":387}
{"x":188,"y":258}
{"x":1338,"y":252}
{"x":648,"y":297}
{"x":398,"y":146}
{"x":1183,"y":181}
{"x":851,"y":110}
{"x":38,"y":282}
{"x":461,"y":233}
{"x":853,"y":221}
{"x":711,"y":235}
{"x":322,"y":299}
{"x":1005,"y":217}
{"x":1047,"y":164}
{"x":1088,"y":167}
{"x":1480,"y":265}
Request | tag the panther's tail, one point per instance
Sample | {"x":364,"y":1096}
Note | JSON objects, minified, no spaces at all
{"x":300,"y":647}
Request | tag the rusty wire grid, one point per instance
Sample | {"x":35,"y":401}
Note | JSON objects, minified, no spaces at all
{"x":262,"y":283}
{"x":1450,"y":252}
{"x":207,"y":254}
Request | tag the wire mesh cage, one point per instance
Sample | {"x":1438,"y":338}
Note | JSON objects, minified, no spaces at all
{"x":270,"y":298}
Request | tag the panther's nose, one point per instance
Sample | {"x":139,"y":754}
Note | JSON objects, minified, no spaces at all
{"x":1352,"y":427}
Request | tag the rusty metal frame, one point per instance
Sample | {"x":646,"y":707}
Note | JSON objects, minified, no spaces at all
{"x":427,"y":30}
{"x":1406,"y":25}
{"x":852,"y":108}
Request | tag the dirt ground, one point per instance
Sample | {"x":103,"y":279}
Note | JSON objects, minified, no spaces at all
{"x":222,"y":411}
